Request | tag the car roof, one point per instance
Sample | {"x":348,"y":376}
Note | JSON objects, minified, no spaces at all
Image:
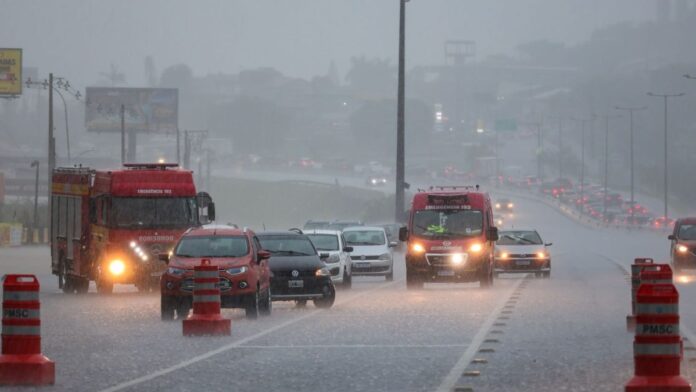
{"x":209,"y":230}
{"x":278,"y":232}
{"x":687,"y":220}
{"x":322,"y":231}
{"x":363,"y":228}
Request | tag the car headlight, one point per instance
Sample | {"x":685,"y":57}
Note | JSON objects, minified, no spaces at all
{"x":503,"y":255}
{"x":175,"y":271}
{"x":322,"y":272}
{"x":117,"y":267}
{"x":497,"y":205}
{"x":541,"y":255}
{"x":476,"y":248}
{"x":417,"y":248}
{"x":334,"y":258}
{"x":385,"y":257}
{"x":510,"y":205}
{"x":682,"y":249}
{"x":237,"y":270}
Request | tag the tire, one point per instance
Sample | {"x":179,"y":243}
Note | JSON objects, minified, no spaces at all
{"x":252,"y":305}
{"x":347,"y":280}
{"x":183,"y":307}
{"x":81,"y":285}
{"x":328,"y":299}
{"x":266,"y":305}
{"x":167,"y":307}
{"x":301,"y":303}
{"x":537,"y":275}
{"x":486,"y":276}
{"x":390,"y":277}
{"x":65,"y":282}
{"x":413,"y":281}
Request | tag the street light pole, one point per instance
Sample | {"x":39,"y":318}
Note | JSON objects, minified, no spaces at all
{"x":606,"y":163}
{"x":583,"y":123}
{"x":630,"y":111}
{"x":665,"y":97}
{"x":400,"y":120}
{"x":35,"y":164}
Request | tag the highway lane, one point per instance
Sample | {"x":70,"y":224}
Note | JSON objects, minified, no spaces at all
{"x":525,"y":334}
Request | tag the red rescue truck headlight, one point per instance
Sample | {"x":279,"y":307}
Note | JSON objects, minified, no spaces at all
{"x":417,"y":248}
{"x":682,"y":249}
{"x":457,"y":259}
{"x":475,"y":248}
{"x":510,"y":205}
{"x":116,"y":267}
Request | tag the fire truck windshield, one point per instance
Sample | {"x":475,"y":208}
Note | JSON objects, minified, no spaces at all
{"x":153,"y":212}
{"x":448,"y":223}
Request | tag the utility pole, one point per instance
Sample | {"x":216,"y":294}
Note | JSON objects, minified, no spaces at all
{"x":540,"y":152}
{"x":665,"y":97}
{"x":560,"y":147}
{"x":630,"y":111}
{"x":606,"y":162}
{"x":583,"y":123}
{"x":35,"y":164}
{"x":400,"y":119}
{"x":51,"y":139}
{"x":123,"y":134}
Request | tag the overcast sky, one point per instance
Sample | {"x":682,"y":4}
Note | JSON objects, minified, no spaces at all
{"x":80,"y":38}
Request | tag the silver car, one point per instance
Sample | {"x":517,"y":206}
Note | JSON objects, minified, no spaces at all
{"x":372,"y":252}
{"x":522,"y":251}
{"x":338,"y":262}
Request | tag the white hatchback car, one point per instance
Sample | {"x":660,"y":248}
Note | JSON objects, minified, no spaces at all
{"x":372,"y":252}
{"x":338,"y":262}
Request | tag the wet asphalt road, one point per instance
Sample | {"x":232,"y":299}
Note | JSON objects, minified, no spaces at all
{"x":524,"y":334}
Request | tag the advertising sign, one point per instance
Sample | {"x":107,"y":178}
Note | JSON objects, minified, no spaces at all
{"x":147,"y":110}
{"x":10,"y":71}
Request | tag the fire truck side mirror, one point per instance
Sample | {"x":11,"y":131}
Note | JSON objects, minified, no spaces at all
{"x":403,"y":233}
{"x":211,"y":212}
{"x":493,"y":234}
{"x":164,"y":257}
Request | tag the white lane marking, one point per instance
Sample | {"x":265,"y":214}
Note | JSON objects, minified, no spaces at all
{"x":209,"y":354}
{"x":451,"y":379}
{"x":361,"y":346}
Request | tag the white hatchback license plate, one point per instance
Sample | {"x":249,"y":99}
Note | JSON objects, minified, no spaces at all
{"x":445,"y":273}
{"x":295,"y":283}
{"x":523,"y":262}
{"x":362,"y":265}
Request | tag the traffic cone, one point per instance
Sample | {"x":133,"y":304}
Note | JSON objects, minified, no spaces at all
{"x":639,"y":264}
{"x":206,"y":318}
{"x":22,"y":362}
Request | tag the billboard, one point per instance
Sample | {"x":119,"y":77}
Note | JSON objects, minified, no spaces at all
{"x":10,"y":71}
{"x":148,"y":110}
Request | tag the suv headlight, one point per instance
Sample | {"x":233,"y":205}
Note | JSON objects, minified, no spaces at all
{"x":322,"y":272}
{"x":237,"y":270}
{"x":385,"y":257}
{"x":175,"y":271}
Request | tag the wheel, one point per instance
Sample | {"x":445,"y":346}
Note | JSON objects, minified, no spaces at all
{"x":486,"y":276}
{"x":266,"y":305}
{"x":104,"y":286}
{"x":81,"y":285}
{"x":252,"y":305}
{"x":413,"y":281}
{"x":183,"y":307}
{"x":390,"y":276}
{"x":65,"y":282}
{"x":347,"y":280}
{"x":496,"y":275}
{"x":301,"y":303}
{"x":167,"y":307}
{"x":328,"y":299}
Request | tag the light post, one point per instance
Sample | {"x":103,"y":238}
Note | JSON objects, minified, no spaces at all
{"x":606,"y":162}
{"x":630,"y":111}
{"x":35,"y":164}
{"x":400,"y":119}
{"x":583,"y":123}
{"x":666,"y":97}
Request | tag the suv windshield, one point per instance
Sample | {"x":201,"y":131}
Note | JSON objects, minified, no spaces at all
{"x":519,"y":238}
{"x":288,"y":245}
{"x":687,"y":232}
{"x":364,"y":237}
{"x":324,"y":241}
{"x":212,"y":246}
{"x":153,"y":212}
{"x":448,"y":223}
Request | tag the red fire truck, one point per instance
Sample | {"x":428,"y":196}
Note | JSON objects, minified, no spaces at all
{"x":451,"y":237}
{"x":110,"y":226}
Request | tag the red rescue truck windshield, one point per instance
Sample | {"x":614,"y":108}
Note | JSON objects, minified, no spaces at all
{"x":165,"y":212}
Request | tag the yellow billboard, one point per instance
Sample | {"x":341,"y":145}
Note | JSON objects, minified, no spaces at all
{"x":10,"y":71}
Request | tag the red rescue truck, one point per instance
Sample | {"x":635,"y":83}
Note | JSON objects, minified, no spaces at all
{"x":110,"y":226}
{"x":451,"y":237}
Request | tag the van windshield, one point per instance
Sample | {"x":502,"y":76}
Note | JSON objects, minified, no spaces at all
{"x":448,"y":223}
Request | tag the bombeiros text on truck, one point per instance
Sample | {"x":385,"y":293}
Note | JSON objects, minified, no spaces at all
{"x":451,"y":237}
{"x":110,"y":226}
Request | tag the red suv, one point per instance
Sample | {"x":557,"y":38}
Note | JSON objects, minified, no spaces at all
{"x":244,"y":271}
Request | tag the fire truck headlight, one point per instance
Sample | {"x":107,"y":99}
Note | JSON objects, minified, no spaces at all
{"x":475,"y":248}
{"x":457,"y":258}
{"x":116,"y":267}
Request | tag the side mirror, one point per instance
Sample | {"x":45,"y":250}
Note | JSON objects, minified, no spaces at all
{"x":493,"y":234}
{"x":263,"y":255}
{"x":348,"y":249}
{"x":393,"y":244}
{"x":163,"y":257}
{"x":671,"y":237}
{"x":403,"y":234}
{"x":548,"y":244}
{"x":324,"y":256}
{"x":211,"y":212}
